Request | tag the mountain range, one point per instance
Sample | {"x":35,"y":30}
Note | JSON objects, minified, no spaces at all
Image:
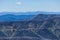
{"x":19,"y":16}
{"x":11,"y":17}
{"x":35,"y":27}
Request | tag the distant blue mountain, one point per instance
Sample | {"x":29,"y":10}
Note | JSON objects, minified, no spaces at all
{"x":11,"y":17}
{"x":19,"y":16}
{"x":29,"y":13}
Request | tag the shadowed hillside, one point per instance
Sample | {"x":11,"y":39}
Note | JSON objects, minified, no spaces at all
{"x":39,"y":27}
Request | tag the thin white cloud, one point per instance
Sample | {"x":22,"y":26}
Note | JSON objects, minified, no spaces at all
{"x":18,"y":3}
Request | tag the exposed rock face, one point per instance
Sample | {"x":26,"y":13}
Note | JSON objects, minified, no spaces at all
{"x":41,"y":27}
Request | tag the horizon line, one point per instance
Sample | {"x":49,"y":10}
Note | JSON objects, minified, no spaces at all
{"x":29,"y":11}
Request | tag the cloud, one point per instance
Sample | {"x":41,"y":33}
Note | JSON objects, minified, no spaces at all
{"x":18,"y":3}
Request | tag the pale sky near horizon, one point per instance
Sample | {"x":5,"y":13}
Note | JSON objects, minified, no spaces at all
{"x":29,"y":5}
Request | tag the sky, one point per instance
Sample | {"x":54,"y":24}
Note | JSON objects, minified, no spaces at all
{"x":29,"y":5}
